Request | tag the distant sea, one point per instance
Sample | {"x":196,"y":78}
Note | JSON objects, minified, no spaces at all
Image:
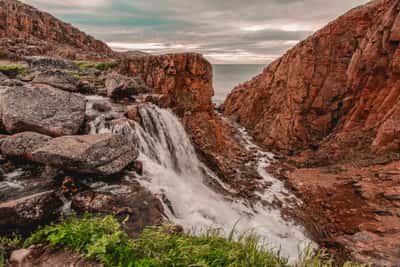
{"x":227,"y":76}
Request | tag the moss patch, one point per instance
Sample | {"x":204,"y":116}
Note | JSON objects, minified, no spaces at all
{"x":105,"y":65}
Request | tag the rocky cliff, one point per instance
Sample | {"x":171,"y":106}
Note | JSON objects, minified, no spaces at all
{"x":331,"y":104}
{"x":338,"y":90}
{"x":25,"y":31}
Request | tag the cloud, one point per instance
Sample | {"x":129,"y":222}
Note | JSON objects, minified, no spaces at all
{"x":226,"y":31}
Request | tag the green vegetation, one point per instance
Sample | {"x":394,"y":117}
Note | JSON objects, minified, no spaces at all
{"x":105,"y":65}
{"x":103,"y":239}
{"x":12,"y":69}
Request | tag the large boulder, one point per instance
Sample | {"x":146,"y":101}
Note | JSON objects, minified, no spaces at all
{"x":103,"y":154}
{"x":24,"y":214}
{"x":58,"y":79}
{"x":119,"y":86}
{"x":22,"y":144}
{"x":42,"y":109}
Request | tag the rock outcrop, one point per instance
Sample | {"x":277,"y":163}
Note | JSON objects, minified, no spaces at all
{"x":104,"y":154}
{"x":26,"y":31}
{"x":42,"y":109}
{"x":337,"y":89}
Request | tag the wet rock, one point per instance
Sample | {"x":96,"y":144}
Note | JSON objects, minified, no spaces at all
{"x":100,"y":153}
{"x":58,"y":79}
{"x":47,"y":256}
{"x":158,"y":100}
{"x":102,"y":106}
{"x":133,"y":204}
{"x":138,"y":167}
{"x":22,"y":144}
{"x":24,"y":214}
{"x":120,"y":86}
{"x":42,"y":109}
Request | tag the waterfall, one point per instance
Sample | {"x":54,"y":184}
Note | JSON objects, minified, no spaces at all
{"x":173,"y":172}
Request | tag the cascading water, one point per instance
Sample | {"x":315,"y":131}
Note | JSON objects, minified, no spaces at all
{"x":173,"y":171}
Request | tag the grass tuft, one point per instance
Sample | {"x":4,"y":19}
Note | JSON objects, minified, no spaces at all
{"x":105,"y":65}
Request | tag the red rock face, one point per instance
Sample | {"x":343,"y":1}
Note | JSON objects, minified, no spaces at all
{"x":186,"y":79}
{"x":338,"y":86}
{"x":25,"y":30}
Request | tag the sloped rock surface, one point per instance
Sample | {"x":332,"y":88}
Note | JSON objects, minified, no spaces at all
{"x":104,"y":154}
{"x":42,"y":109}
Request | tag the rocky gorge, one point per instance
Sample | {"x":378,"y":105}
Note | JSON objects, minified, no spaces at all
{"x":85,"y":129}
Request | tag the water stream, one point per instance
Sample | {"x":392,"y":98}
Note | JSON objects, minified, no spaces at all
{"x":173,"y":171}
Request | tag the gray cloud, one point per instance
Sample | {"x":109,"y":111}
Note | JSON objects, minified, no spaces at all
{"x":226,"y":31}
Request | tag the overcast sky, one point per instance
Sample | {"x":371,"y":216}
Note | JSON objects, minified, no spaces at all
{"x":225,"y":31}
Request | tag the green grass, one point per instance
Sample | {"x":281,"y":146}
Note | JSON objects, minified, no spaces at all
{"x":102,"y":239}
{"x":105,"y":65}
{"x":12,"y":69}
